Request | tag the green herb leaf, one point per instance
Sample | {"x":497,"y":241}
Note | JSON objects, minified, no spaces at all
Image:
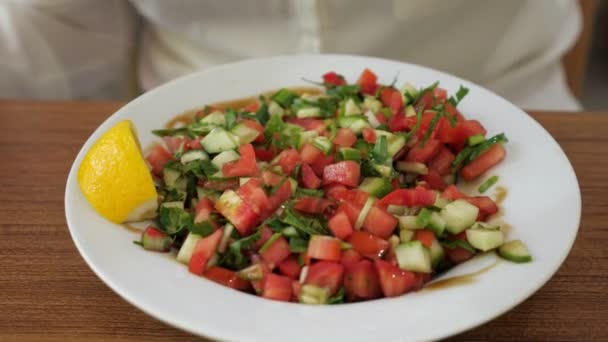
{"x":487,"y":184}
{"x":469,"y":153}
{"x":451,"y":244}
{"x":297,"y":245}
{"x":460,"y":94}
{"x":431,"y":127}
{"x":307,"y":225}
{"x":284,"y":97}
{"x":234,"y":258}
{"x":344,"y":91}
{"x":200,"y":168}
{"x":230,"y":116}
{"x":202,"y":228}
{"x":338,"y":298}
{"x":262,"y":114}
{"x":309,"y":192}
{"x":173,"y":220}
{"x":380,"y":151}
{"x":170,"y":131}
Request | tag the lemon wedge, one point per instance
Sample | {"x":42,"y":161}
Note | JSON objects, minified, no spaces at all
{"x":115,"y":178}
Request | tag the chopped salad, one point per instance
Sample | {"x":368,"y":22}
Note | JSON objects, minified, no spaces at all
{"x":344,"y":195}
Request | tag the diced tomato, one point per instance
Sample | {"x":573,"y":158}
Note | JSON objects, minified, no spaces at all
{"x":246,"y":166}
{"x":458,"y":134}
{"x":326,"y":274}
{"x":410,"y":197}
{"x":434,"y":180}
{"x":231,"y":206}
{"x":264,"y":154}
{"x":355,"y":196}
{"x":219,"y":185}
{"x":288,"y":159}
{"x":194,"y":144}
{"x":422,"y":154}
{"x":452,"y":193}
{"x":391,"y":98}
{"x":425,"y":236}
{"x":257,"y":126}
{"x":324,"y":248}
{"x":367,"y":244}
{"x":277,"y":287}
{"x":483,"y":162}
{"x":305,"y":258}
{"x":426,"y":100}
{"x":351,"y":210}
{"x":420,"y":279}
{"x":258,"y":285}
{"x":458,"y":254}
{"x":296,"y":289}
{"x":453,"y":112}
{"x":270,"y":178}
{"x":157,"y":158}
{"x":350,"y":257}
{"x":369,"y":135}
{"x":440,"y":94}
{"x":345,"y":172}
{"x":332,"y":78}
{"x":226,"y":277}
{"x":393,"y":280}
{"x":382,"y":119}
{"x":251,"y":107}
{"x":290,"y":267}
{"x":280,"y":196}
{"x":361,"y":281}
{"x":442,"y":163}
{"x":276,"y":252}
{"x":312,"y":205}
{"x":333,"y":191}
{"x":340,"y":225}
{"x":485,"y":204}
{"x":345,"y":137}
{"x":368,"y":82}
{"x":309,"y":178}
{"x":174,"y":143}
{"x":265,"y":234}
{"x":203,"y":251}
{"x":310,"y":154}
{"x":309,"y":124}
{"x":399,"y":122}
{"x":321,"y":163}
{"x":379,"y":222}
{"x":254,"y":196}
{"x":425,"y":123}
{"x":203,"y":210}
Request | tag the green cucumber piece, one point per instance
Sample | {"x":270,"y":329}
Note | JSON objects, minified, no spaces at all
{"x":459,"y":215}
{"x":225,"y":157}
{"x":185,"y":252}
{"x":376,"y":186}
{"x":323,"y":144}
{"x":348,"y":153}
{"x":406,"y":235}
{"x":440,"y":202}
{"x":515,"y":251}
{"x":314,"y":295}
{"x":412,"y":167}
{"x":363,"y":214}
{"x":193,"y":155}
{"x":351,"y":108}
{"x":383,"y":170}
{"x":409,"y":90}
{"x":410,"y":111}
{"x":437,"y":253}
{"x":413,"y":256}
{"x":355,"y":122}
{"x":437,"y":223}
{"x":245,"y":133}
{"x":173,"y":179}
{"x":395,"y":144}
{"x":253,"y":272}
{"x":485,"y":239}
{"x":398,"y":210}
{"x":243,"y":180}
{"x":409,"y":222}
{"x":173,"y":204}
{"x":219,"y":140}
{"x":275,"y":109}
{"x":308,"y":112}
{"x":216,"y":118}
{"x":228,"y":228}
{"x":306,"y":137}
{"x":372,"y":104}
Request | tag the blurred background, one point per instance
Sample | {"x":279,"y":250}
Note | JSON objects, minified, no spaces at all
{"x":540,"y":54}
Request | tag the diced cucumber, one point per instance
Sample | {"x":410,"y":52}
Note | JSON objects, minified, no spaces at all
{"x":459,"y":215}
{"x":173,"y":204}
{"x":202,"y":193}
{"x":409,"y":222}
{"x":372,"y":104}
{"x":193,"y":155}
{"x":383,"y":170}
{"x":440,"y":202}
{"x":423,"y":217}
{"x":216,"y":118}
{"x":294,"y":185}
{"x":395,"y":144}
{"x":323,"y":144}
{"x":253,"y":272}
{"x":475,"y":140}
{"x":308,"y":112}
{"x":306,"y":137}
{"x":412,"y":167}
{"x":376,"y":186}
{"x":394,"y":241}
{"x":225,"y":157}
{"x":482,"y":225}
{"x":185,"y":252}
{"x":173,"y":179}
{"x":437,"y":224}
{"x":243,"y":180}
{"x":219,"y":140}
{"x":406,"y":235}
{"x":228,"y":228}
{"x":437,"y":253}
{"x":398,"y":210}
{"x":411,"y":91}
{"x":351,"y":108}
{"x":371,"y":118}
{"x":515,"y":251}
{"x":314,"y":295}
{"x":413,"y":256}
{"x":410,"y":111}
{"x":485,"y":239}
{"x":275,"y":109}
{"x":363,"y":213}
{"x":382,"y":133}
{"x":347,"y":153}
{"x":355,"y":122}
{"x":245,"y":133}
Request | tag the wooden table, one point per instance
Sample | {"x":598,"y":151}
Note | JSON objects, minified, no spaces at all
{"x":47,"y":292}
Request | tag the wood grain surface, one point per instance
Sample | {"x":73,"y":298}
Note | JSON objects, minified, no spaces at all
{"x":47,"y":292}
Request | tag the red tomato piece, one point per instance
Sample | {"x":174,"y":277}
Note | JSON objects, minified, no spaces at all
{"x":290,"y":267}
{"x":219,"y":185}
{"x":174,"y":143}
{"x":361,"y":281}
{"x":355,"y":196}
{"x":425,"y":236}
{"x":345,"y":172}
{"x":380,"y":223}
{"x":440,"y":94}
{"x":434,"y":180}
{"x":264,"y":154}
{"x":231,"y":206}
{"x":280,"y":196}
{"x":367,"y":244}
{"x":251,"y":107}
{"x":333,"y":191}
{"x":425,"y":122}
{"x":485,"y":204}
{"x":333,"y":78}
{"x":309,"y":178}
{"x":369,"y":135}
{"x":276,"y":252}
{"x":422,"y":154}
{"x":351,"y":210}
{"x":420,"y":279}
{"x":442,"y":163}
{"x":246,"y":166}
{"x":277,"y":287}
{"x":310,"y":154}
{"x":393,"y":280}
{"x":296,"y":289}
{"x":288,"y":159}
{"x":265,"y":234}
{"x":399,"y":122}
{"x":321,"y":163}
{"x":345,"y":137}
{"x":350,"y":257}
{"x":226,"y":277}
{"x":157,"y":158}
{"x":323,"y":247}
{"x":254,"y":196}
{"x":426,"y":100}
{"x":309,"y":124}
{"x":203,"y":210}
{"x":312,"y":205}
{"x":483,"y":162}
{"x":326,"y":274}
{"x":452,"y":193}
{"x":203,"y":251}
{"x":410,"y":197}
{"x":257,"y":126}
{"x":391,"y":98}
{"x":194,"y":144}
{"x":368,"y":81}
{"x":458,"y":254}
{"x":340,"y":225}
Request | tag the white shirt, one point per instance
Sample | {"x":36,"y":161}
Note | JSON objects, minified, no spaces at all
{"x":512,"y":47}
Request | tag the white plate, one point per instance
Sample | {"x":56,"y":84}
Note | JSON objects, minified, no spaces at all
{"x":543,"y":207}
